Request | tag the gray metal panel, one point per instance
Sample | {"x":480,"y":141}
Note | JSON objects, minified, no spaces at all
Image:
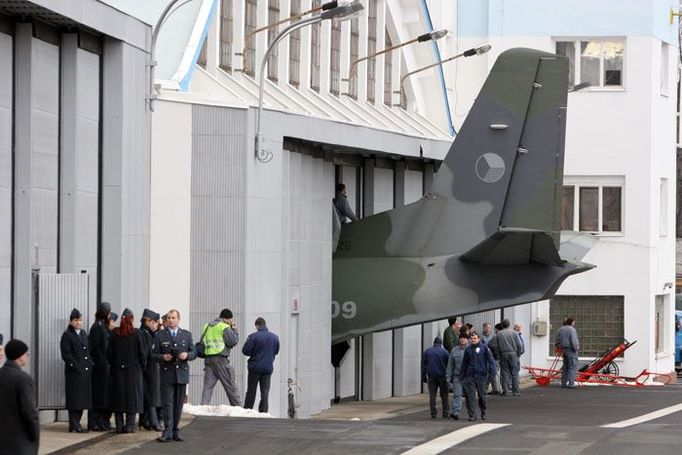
{"x":57,"y":295}
{"x":6,"y":81}
{"x":217,"y":231}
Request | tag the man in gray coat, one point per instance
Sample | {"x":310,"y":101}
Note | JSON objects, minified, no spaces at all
{"x":567,"y":341}
{"x":452,"y":375}
{"x":219,"y":337}
{"x":342,"y":206}
{"x":19,"y":423}
{"x":508,"y":347}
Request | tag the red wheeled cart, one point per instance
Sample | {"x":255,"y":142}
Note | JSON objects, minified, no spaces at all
{"x":601,"y":370}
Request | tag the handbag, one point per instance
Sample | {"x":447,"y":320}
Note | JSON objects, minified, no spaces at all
{"x":200,"y":346}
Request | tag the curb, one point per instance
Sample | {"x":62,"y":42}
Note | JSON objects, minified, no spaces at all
{"x":82,"y":444}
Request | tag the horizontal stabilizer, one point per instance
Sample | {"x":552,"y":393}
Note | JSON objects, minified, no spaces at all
{"x":515,"y":247}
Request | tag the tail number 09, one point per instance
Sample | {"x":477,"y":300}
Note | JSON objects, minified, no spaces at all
{"x":347,"y":309}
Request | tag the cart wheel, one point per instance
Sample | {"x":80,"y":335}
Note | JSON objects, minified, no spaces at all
{"x":610,"y":369}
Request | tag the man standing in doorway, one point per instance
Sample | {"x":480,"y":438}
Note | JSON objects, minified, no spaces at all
{"x":19,"y":423}
{"x":567,"y":341}
{"x":174,"y":348}
{"x":261,"y":347}
{"x":342,"y":206}
{"x":219,"y":337}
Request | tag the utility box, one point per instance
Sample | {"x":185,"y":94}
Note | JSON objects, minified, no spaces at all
{"x":540,"y":328}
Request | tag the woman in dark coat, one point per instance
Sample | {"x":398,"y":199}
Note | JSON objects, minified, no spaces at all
{"x":152,"y":386}
{"x":127,"y":360}
{"x":77,"y":370}
{"x":98,"y":418}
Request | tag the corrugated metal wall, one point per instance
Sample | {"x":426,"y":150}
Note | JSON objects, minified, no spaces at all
{"x":57,"y":295}
{"x":218,"y":236}
{"x":6,"y":82}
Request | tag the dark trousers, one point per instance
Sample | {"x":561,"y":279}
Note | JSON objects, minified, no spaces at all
{"x":509,"y":373}
{"x":125,"y":422}
{"x":253,"y":380}
{"x":434,"y":385}
{"x":472,"y":386}
{"x":149,"y":418}
{"x":75,"y":419}
{"x":173,"y":396}
{"x":98,"y":419}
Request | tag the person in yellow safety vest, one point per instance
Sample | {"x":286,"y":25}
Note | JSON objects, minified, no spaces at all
{"x":219,"y":337}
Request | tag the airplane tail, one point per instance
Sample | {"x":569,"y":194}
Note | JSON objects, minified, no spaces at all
{"x":502,"y":176}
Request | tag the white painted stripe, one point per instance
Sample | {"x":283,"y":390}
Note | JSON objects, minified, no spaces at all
{"x":645,"y":418}
{"x":442,"y":443}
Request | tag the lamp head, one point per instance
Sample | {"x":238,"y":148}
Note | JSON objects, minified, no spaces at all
{"x":482,"y":49}
{"x":438,"y":34}
{"x":345,"y":9}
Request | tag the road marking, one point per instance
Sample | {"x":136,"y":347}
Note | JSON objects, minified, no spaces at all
{"x":645,"y":417}
{"x":442,"y":443}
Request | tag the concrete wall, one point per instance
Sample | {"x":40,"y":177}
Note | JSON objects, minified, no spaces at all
{"x":6,"y":183}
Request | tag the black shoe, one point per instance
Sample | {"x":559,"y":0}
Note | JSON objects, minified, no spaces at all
{"x":493,"y":392}
{"x":434,"y":417}
{"x":517,"y":394}
{"x":164,"y":439}
{"x":471,"y":419}
{"x":483,"y":417}
{"x":178,"y":438}
{"x":77,"y":430}
{"x":156,"y":428}
{"x":454,"y":416}
{"x":97,"y":429}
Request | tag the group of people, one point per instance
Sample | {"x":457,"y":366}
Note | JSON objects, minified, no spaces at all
{"x":128,"y":371}
{"x":468,"y":363}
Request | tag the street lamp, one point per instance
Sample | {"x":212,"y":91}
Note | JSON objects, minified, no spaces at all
{"x":344,"y":10}
{"x":431,"y":36}
{"x":480,"y":50}
{"x":294,"y":17}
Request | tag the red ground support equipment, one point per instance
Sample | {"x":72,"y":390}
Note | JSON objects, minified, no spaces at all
{"x":601,"y":370}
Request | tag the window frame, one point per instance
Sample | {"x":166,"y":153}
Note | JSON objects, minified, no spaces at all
{"x":295,"y":49}
{"x":577,"y":62}
{"x":600,"y":183}
{"x":665,"y":70}
{"x":226,"y":39}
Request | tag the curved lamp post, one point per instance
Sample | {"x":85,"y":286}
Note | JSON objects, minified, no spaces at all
{"x":431,"y":36}
{"x":343,"y":11}
{"x":480,"y":50}
{"x":294,"y":17}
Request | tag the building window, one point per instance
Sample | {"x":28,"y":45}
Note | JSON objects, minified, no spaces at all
{"x":599,"y":321}
{"x":665,"y":71}
{"x":663,"y":209}
{"x":354,"y":54}
{"x":593,"y":63}
{"x":226,"y":31}
{"x":250,"y":9}
{"x":295,"y":49}
{"x":273,"y":16}
{"x":335,"y":70}
{"x":599,"y":208}
{"x":388,"y":72}
{"x":315,"y":31}
{"x":201,"y":60}
{"x":371,"y":49}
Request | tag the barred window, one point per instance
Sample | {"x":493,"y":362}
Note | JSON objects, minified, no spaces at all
{"x":388,"y":72}
{"x":273,"y":16}
{"x":354,"y":54}
{"x":371,"y":49}
{"x":335,"y":70}
{"x":226,"y":31}
{"x":201,"y":60}
{"x":599,"y":321}
{"x":250,"y":25}
{"x":295,"y":49}
{"x":315,"y":31}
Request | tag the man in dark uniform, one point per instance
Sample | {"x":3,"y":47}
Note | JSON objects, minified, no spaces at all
{"x":98,"y":339}
{"x":152,"y":393}
{"x":19,"y":422}
{"x":77,"y":370}
{"x":174,"y":348}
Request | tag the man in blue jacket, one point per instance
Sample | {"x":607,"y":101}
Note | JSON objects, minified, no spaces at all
{"x":261,"y":346}
{"x":477,"y":365}
{"x":434,"y":363}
